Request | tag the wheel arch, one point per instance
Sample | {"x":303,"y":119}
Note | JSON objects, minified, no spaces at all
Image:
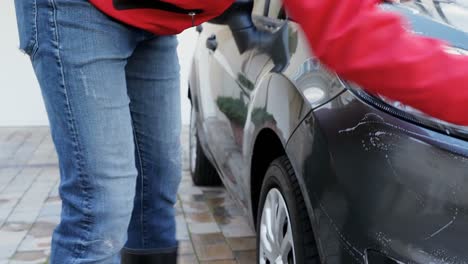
{"x":266,"y":136}
{"x":267,"y":148}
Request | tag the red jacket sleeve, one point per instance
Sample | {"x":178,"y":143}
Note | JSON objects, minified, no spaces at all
{"x":370,"y":47}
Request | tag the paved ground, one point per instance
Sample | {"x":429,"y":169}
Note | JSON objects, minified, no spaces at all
{"x":211,"y":227}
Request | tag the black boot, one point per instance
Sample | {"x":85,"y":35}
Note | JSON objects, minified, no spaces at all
{"x":132,"y":257}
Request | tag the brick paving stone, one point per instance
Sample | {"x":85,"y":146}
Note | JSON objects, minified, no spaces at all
{"x":237,"y":227}
{"x":242,"y":243}
{"x":5,"y":132}
{"x":38,"y":237}
{"x":54,"y":193}
{"x":182,"y":232}
{"x":199,"y":217}
{"x":9,"y":242}
{"x":7,"y":175}
{"x":29,"y":257}
{"x":15,"y":190}
{"x":22,"y":181}
{"x":24,"y":214}
{"x":9,"y":144}
{"x":186,"y":248}
{"x":246,"y":257}
{"x":7,"y":203}
{"x":204,"y":228}
{"x":211,"y":228}
{"x":195,"y":207}
{"x":214,"y":192}
{"x":37,"y":194}
{"x":211,"y":247}
{"x":187,"y":259}
{"x":186,"y":189}
{"x":43,"y":153}
{"x":216,"y":201}
{"x":25,"y":143}
{"x":227,"y":210}
{"x":51,"y":207}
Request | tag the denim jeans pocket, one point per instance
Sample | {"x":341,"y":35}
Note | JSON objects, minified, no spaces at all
{"x":26,"y":17}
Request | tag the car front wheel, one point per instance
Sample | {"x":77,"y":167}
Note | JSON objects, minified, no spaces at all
{"x":284,"y":232}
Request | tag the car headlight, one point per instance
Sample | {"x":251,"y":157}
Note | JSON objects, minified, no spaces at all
{"x":411,"y":114}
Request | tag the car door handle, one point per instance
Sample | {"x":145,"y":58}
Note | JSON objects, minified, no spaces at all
{"x":212,"y":43}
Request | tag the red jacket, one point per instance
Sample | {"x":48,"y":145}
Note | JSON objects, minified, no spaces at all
{"x":371,"y":48}
{"x":166,"y":17}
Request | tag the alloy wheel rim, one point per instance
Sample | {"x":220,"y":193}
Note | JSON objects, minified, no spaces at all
{"x":276,"y":239}
{"x":193,"y":141}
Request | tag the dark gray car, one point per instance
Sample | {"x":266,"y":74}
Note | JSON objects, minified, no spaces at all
{"x":326,"y":172}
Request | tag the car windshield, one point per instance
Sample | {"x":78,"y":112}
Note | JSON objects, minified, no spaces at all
{"x":453,"y":12}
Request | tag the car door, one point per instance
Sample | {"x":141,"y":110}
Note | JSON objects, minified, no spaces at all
{"x":229,"y":94}
{"x":240,"y":57}
{"x":246,"y":56}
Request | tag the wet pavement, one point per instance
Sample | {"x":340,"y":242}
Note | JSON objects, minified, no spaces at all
{"x":210,"y":226}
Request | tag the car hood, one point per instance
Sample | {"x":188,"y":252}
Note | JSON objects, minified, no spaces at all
{"x":446,"y":20}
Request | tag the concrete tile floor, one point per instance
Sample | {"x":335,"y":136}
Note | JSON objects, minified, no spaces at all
{"x":210,"y":226}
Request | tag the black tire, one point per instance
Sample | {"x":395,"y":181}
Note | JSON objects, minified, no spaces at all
{"x":281,"y":176}
{"x":203,"y":172}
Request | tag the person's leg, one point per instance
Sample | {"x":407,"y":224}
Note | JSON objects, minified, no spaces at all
{"x":153,"y":88}
{"x":80,"y":64}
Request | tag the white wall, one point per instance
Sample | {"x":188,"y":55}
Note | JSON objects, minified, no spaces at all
{"x":20,"y":98}
{"x":186,"y":49}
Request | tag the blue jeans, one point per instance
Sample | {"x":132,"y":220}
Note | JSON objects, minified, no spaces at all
{"x":112,"y":96}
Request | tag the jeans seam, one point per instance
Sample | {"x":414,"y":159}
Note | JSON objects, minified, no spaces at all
{"x":142,"y":175}
{"x":79,"y":247}
{"x":34,"y":41}
{"x":144,"y":216}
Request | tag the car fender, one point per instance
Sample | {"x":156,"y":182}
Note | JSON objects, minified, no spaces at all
{"x":308,"y":139}
{"x":267,"y":110}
